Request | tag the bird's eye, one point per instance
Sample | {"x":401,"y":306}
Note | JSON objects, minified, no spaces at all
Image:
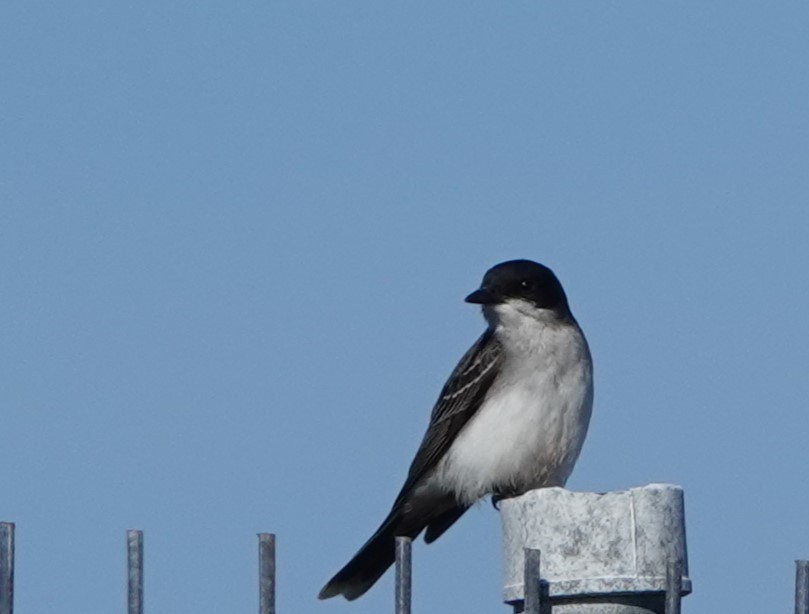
{"x":525,"y":284}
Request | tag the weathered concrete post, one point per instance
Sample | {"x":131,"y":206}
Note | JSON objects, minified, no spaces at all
{"x":601,"y":553}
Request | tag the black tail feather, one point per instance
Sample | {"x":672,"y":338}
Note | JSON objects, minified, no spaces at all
{"x":407,"y":518}
{"x":443,"y":522}
{"x":368,"y":565}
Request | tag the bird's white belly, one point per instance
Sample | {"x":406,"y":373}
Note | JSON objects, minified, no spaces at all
{"x":528,"y":434}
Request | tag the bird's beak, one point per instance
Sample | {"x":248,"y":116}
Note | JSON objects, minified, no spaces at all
{"x":481,"y":297}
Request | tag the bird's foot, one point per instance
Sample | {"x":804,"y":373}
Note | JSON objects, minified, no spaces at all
{"x":497,"y":497}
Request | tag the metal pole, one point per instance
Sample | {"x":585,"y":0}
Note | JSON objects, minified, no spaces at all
{"x":6,"y":567}
{"x":801,"y":587}
{"x":403,"y":575}
{"x":134,"y":542}
{"x":532,"y":596}
{"x":266,"y":573}
{"x":674,"y":586}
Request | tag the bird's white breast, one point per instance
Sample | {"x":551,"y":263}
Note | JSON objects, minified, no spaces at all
{"x":530,"y":429}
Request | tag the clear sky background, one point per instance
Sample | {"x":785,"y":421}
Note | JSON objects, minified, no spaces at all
{"x":235,"y":239}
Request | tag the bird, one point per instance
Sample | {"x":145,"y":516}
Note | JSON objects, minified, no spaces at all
{"x":512,"y":417}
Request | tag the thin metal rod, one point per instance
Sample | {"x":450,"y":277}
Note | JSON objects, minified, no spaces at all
{"x":6,"y":567}
{"x":404,"y":576}
{"x":674,"y":586}
{"x":266,"y":573}
{"x":801,"y":587}
{"x":134,"y":543}
{"x":532,"y":595}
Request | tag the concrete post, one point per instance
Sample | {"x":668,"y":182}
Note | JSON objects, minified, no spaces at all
{"x":601,"y":553}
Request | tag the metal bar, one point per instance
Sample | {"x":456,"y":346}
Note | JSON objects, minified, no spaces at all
{"x":134,"y":542}
{"x":266,"y":573}
{"x":801,"y":587}
{"x":674,"y":586}
{"x":532,"y":597}
{"x":6,"y":567}
{"x":404,"y":576}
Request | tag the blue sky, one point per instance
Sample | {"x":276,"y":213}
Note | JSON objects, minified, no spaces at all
{"x":235,"y":239}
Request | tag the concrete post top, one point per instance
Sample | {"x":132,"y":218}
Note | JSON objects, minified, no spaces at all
{"x":595,"y":543}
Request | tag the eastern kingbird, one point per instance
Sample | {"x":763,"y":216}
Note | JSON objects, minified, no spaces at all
{"x":512,"y":417}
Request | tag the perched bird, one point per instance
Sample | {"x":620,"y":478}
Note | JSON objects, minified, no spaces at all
{"x":512,"y":417}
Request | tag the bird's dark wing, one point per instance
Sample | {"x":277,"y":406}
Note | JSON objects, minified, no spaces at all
{"x":460,"y":398}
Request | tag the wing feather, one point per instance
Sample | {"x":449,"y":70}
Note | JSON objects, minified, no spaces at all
{"x":460,"y":398}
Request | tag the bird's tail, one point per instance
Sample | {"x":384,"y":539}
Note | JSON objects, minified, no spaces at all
{"x":372,"y":560}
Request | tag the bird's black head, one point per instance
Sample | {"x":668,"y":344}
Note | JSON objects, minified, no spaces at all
{"x":521,"y":279}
